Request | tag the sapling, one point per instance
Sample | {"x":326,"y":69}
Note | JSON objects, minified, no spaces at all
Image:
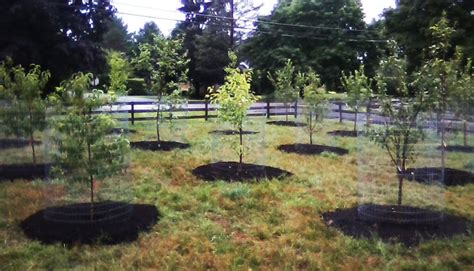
{"x":400,"y":132}
{"x":358,"y":87}
{"x":463,"y":97}
{"x":86,"y":150}
{"x":119,"y":72}
{"x":234,"y":99}
{"x":316,"y":103}
{"x":165,"y":63}
{"x":284,"y":83}
{"x":25,"y":110}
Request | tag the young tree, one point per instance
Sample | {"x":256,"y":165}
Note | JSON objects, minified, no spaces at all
{"x":165,"y":63}
{"x":283,"y":81}
{"x":439,"y":76}
{"x":400,"y":132}
{"x":234,"y":99}
{"x":85,"y":151}
{"x":25,"y":111}
{"x":119,"y":71}
{"x":463,"y":97}
{"x":359,"y":92}
{"x":316,"y":103}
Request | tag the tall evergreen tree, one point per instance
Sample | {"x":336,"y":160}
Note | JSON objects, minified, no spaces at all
{"x":117,"y":37}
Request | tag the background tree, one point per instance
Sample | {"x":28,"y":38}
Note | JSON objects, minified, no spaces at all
{"x":117,"y":37}
{"x":285,"y":87}
{"x":165,"y":64}
{"x":25,"y":111}
{"x":234,"y":99}
{"x":315,"y":101}
{"x":119,"y":71}
{"x":85,"y":151}
{"x":401,"y":130}
{"x":410,"y":21}
{"x":147,"y":34}
{"x":359,"y":92}
{"x":335,"y":39}
{"x":61,"y":36}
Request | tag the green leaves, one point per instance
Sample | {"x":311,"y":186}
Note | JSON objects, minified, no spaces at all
{"x":284,"y":83}
{"x":358,"y":87}
{"x":119,"y":71}
{"x":316,"y":103}
{"x":86,"y":150}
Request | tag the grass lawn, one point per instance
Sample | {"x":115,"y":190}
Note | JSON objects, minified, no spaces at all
{"x":274,"y":224}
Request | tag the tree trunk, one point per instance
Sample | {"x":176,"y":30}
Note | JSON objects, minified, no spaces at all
{"x":241,"y":155}
{"x":158,"y":111}
{"x":464,"y":128}
{"x":368,"y":115}
{"x":91,"y":180}
{"x":400,"y":188}
{"x":286,"y":112}
{"x":443,"y":150}
{"x":32,"y":142}
{"x":355,"y":121}
{"x":310,"y":128}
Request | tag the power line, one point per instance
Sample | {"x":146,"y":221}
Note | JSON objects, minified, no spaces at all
{"x":292,"y":35}
{"x":253,"y":20}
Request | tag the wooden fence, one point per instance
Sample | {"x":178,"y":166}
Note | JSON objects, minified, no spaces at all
{"x":268,"y":109}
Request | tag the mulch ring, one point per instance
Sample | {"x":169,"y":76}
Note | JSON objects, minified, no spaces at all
{"x":311,"y":149}
{"x":16,"y":143}
{"x":452,"y":177}
{"x":71,"y":224}
{"x":232,"y":132}
{"x":158,"y":146}
{"x":286,"y":123}
{"x":236,"y":172}
{"x":24,"y":171}
{"x":344,"y":133}
{"x":457,"y":148}
{"x":410,"y":234}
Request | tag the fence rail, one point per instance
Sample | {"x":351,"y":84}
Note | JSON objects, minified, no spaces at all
{"x":268,"y":109}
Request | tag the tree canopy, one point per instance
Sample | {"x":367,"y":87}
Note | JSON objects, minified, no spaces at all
{"x":328,"y":36}
{"x":62,"y":36}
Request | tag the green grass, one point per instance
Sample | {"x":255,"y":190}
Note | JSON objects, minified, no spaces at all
{"x":274,"y":224}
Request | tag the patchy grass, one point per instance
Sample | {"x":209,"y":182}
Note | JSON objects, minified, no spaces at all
{"x":269,"y":225}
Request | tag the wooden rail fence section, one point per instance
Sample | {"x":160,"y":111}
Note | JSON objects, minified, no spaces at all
{"x":269,"y":109}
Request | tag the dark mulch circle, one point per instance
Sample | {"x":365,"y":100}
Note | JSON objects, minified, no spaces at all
{"x":233,"y":171}
{"x":458,"y":148}
{"x":343,"y":133}
{"x":311,"y":149}
{"x":286,"y":123}
{"x":349,"y":222}
{"x":114,"y":230}
{"x":15,"y":143}
{"x":452,"y":177}
{"x":159,"y":146}
{"x":24,"y":171}
{"x":123,"y":130}
{"x":232,"y":132}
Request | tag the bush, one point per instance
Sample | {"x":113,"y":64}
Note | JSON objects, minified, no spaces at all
{"x":137,"y":86}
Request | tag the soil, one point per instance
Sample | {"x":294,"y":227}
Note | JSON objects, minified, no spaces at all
{"x":124,"y":130}
{"x":452,"y":176}
{"x":458,"y":148}
{"x":24,"y":171}
{"x":158,"y":146}
{"x":232,"y":132}
{"x":113,"y":230}
{"x":233,"y":171}
{"x":15,"y":143}
{"x":343,"y":133}
{"x":286,"y":123}
{"x":311,"y":149}
{"x":349,"y":222}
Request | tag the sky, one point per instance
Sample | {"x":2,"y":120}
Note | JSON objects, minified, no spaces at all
{"x":167,"y":11}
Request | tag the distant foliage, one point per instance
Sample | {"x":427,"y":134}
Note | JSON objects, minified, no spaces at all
{"x":118,"y":75}
{"x":284,"y":83}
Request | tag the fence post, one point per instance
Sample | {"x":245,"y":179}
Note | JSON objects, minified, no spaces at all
{"x":268,"y":109}
{"x":133,"y":112}
{"x":339,"y":104}
{"x":206,"y":108}
{"x":296,"y":109}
